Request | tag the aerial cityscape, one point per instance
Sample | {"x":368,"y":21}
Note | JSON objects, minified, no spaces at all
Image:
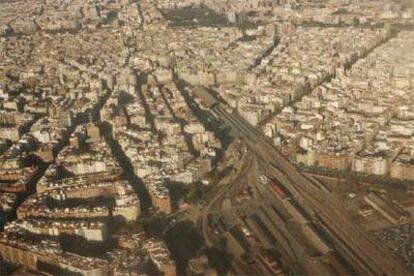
{"x":207,"y":137}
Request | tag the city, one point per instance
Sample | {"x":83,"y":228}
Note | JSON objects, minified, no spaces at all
{"x":206,"y":137}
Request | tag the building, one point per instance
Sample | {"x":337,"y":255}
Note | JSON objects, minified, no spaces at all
{"x":389,"y":211}
{"x":160,"y":256}
{"x":377,"y":165}
{"x":200,"y":267}
{"x":336,"y":161}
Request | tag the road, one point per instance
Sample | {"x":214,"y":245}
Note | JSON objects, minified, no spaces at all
{"x":216,"y":203}
{"x":323,"y":207}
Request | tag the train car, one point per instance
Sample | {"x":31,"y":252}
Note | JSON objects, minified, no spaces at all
{"x":277,"y":191}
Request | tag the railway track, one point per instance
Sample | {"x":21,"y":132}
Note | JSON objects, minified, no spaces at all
{"x":349,"y":241}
